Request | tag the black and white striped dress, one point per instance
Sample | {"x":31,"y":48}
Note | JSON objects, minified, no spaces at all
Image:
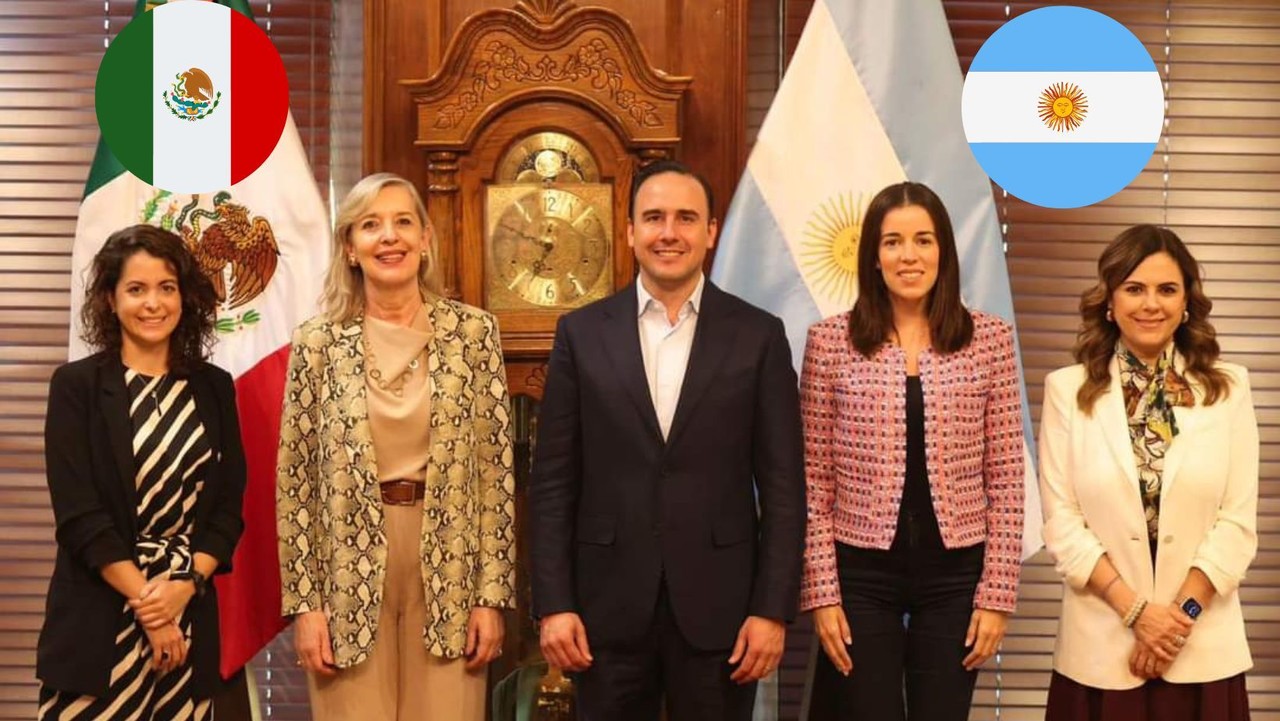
{"x":170,"y":451}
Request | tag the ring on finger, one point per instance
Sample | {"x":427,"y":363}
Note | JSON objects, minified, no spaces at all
{"x":1180,"y":640}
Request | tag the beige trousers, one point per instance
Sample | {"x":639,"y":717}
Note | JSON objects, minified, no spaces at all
{"x":400,"y":680}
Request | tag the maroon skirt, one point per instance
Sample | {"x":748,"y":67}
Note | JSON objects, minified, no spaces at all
{"x":1158,"y":700}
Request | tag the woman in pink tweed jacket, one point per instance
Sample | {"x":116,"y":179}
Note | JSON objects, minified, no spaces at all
{"x":914,"y":465}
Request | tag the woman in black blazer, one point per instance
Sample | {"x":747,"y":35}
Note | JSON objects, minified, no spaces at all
{"x":146,"y":474}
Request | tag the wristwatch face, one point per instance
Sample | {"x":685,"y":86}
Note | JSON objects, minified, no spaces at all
{"x":1192,"y":608}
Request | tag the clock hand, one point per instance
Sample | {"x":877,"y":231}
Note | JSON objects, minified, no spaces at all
{"x":520,"y":233}
{"x":548,"y":239}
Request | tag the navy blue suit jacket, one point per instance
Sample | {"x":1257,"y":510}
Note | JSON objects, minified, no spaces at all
{"x":613,"y":509}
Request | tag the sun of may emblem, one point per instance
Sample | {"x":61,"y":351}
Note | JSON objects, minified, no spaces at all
{"x":829,"y":253}
{"x":191,"y":96}
{"x":1063,"y":106}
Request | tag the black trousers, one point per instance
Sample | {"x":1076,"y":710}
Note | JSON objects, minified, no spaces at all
{"x":629,"y":683}
{"x":908,"y":611}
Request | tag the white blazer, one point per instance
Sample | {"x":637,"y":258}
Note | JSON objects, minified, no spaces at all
{"x":1208,"y":519}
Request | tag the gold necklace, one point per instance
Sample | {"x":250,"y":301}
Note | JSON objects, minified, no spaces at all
{"x":395,"y":386}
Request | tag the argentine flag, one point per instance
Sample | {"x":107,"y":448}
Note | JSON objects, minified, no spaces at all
{"x":1063,"y":130}
{"x":871,"y":98}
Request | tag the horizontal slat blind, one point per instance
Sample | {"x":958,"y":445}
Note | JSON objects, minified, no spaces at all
{"x":1216,"y":181}
{"x":1218,"y":186}
{"x":49,"y":55}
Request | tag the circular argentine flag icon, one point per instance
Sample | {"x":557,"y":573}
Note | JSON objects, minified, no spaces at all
{"x":1062,"y":129}
{"x":191,"y":97}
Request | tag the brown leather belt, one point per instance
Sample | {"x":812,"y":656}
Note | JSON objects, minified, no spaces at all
{"x":401,"y":492}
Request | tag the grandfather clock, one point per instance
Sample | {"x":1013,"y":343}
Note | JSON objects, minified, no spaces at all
{"x":530,"y":131}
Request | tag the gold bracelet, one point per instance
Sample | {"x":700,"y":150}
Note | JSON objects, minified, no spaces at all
{"x":1130,"y":618}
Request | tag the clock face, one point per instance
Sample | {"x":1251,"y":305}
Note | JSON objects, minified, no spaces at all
{"x":549,"y":247}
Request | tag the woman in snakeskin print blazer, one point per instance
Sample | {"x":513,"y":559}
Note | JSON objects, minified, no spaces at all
{"x":395,"y":496}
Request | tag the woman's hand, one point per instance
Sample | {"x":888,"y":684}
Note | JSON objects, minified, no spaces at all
{"x":484,"y":636}
{"x":168,"y":647}
{"x":986,"y":631}
{"x":311,"y":642}
{"x":1144,"y":664}
{"x":833,"y":631}
{"x":161,"y":602}
{"x":1162,"y":630}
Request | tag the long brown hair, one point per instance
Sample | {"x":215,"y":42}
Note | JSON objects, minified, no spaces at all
{"x":193,"y":337}
{"x":871,"y":322}
{"x":1195,"y":339}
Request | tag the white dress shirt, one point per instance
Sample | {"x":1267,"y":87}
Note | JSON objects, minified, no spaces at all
{"x":665,"y":347}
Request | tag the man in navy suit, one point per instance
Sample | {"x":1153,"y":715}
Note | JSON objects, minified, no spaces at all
{"x":667,"y":502}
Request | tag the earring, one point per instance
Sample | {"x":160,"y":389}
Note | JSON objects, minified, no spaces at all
{"x":1186,"y":316}
{"x":1110,"y":319}
{"x":351,"y":260}
{"x":423,"y":256}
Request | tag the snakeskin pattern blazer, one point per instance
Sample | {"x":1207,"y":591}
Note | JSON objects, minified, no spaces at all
{"x":333,"y":547}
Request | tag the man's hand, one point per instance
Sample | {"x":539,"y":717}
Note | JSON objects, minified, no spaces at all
{"x":564,"y":641}
{"x":759,"y":648}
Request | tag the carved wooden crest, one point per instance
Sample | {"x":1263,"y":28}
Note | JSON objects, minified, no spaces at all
{"x":546,"y":49}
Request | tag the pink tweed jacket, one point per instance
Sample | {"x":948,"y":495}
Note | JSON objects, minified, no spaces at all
{"x":855,"y":436}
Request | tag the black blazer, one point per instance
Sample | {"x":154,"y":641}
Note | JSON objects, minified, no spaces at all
{"x":613,"y":508}
{"x":90,"y":469}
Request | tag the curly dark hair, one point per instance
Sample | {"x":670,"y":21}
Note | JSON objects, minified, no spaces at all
{"x":870,"y":323}
{"x":194,"y":335}
{"x":1195,"y":339}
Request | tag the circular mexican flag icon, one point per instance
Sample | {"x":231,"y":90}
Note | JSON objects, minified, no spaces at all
{"x":191,"y":96}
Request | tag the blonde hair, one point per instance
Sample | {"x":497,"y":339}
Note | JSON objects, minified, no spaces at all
{"x":343,"y":295}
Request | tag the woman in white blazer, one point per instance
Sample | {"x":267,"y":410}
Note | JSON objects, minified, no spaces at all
{"x":1149,"y":482}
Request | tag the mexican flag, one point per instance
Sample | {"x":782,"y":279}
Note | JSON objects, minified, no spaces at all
{"x":276,"y":220}
{"x":191,"y":98}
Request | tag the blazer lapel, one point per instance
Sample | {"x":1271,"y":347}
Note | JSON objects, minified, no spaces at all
{"x":1114,"y":420}
{"x":115,"y":408}
{"x":447,"y":382}
{"x":207,"y":410}
{"x":620,"y":334}
{"x":1188,"y":422}
{"x":712,"y":340}
{"x":351,"y":398}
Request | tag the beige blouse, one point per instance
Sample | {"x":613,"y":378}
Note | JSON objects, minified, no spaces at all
{"x":400,"y":424}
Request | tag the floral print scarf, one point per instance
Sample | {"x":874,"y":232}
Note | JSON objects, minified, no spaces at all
{"x":1150,"y":395}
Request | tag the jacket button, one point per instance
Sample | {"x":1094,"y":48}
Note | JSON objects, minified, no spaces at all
{"x":1168,"y":539}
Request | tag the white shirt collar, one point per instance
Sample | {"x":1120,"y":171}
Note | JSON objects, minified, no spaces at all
{"x":643,"y":296}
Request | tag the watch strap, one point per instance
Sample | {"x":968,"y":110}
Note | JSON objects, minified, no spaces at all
{"x":199,"y":580}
